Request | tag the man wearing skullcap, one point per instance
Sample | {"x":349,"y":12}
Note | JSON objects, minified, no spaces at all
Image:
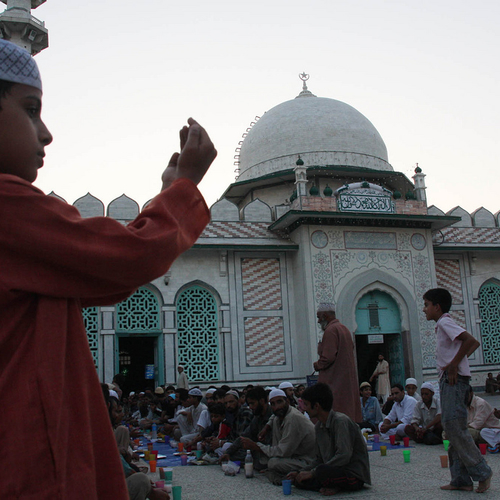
{"x":336,"y":363}
{"x":287,"y":388}
{"x":425,"y":426}
{"x":293,"y":439}
{"x":182,"y":380}
{"x":54,"y":262}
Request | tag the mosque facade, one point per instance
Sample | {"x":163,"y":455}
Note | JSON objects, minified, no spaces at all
{"x":316,"y":214}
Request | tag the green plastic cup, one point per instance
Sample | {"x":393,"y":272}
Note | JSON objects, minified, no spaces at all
{"x":168,"y":474}
{"x":177,"y":492}
{"x":406,"y":455}
{"x":446,"y":444}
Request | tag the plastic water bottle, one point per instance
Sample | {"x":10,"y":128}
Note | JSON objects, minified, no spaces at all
{"x":154,"y":434}
{"x":249,"y":465}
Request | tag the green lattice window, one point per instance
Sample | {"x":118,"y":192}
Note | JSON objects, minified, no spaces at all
{"x":140,"y":313}
{"x":489,"y":310}
{"x":91,"y":322}
{"x":198,"y":334}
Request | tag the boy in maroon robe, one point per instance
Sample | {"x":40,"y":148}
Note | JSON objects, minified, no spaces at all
{"x":53,"y":263}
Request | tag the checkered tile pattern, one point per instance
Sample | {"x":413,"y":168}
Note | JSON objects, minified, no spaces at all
{"x":264,"y":341}
{"x":448,"y":276}
{"x":472,"y":235}
{"x":229,"y":229}
{"x":261,"y":284}
{"x":459,"y":318}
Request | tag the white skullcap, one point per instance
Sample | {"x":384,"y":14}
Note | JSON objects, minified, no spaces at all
{"x":195,"y":392}
{"x":286,"y":385}
{"x":210,"y":391}
{"x":428,"y":385}
{"x":132,"y":394}
{"x":326,"y":307}
{"x":17,"y":66}
{"x":113,"y":393}
{"x":411,"y":381}
{"x":233,"y":393}
{"x":275,"y":393}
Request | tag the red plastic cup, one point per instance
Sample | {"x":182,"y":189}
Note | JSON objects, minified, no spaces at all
{"x":392,"y":439}
{"x":482,"y":447}
{"x":150,"y":446}
{"x":180,"y":446}
{"x":406,"y":442}
{"x":155,"y":453}
{"x":152,"y":465}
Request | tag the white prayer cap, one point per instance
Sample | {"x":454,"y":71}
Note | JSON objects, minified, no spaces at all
{"x":195,"y":392}
{"x":326,"y":307}
{"x":428,"y":385}
{"x":233,"y":393}
{"x":411,"y":381}
{"x":210,"y":391}
{"x":132,"y":394}
{"x":286,"y":385}
{"x":17,"y":66}
{"x":276,"y":393}
{"x":114,"y":394}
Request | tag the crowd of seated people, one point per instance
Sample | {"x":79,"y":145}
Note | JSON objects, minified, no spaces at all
{"x":275,"y":424}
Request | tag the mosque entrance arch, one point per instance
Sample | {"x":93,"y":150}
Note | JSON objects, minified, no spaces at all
{"x":379,"y":331}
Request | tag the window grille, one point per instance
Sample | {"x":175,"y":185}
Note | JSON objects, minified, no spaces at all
{"x":91,"y":323}
{"x":140,"y":313}
{"x":198,"y":334}
{"x":489,"y":310}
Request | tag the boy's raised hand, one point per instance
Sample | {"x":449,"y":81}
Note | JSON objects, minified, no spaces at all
{"x":196,"y":156}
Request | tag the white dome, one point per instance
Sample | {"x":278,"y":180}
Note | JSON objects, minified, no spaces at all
{"x":323,"y":131}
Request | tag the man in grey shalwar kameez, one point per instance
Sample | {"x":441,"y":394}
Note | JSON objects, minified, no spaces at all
{"x":293,"y":443}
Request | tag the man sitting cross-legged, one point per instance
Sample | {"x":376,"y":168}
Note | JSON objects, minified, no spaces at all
{"x":341,"y":456}
{"x":400,"y":415}
{"x":425,"y":424}
{"x":292,"y":445}
{"x":257,"y":402}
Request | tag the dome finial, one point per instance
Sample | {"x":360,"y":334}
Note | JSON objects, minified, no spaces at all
{"x":305,"y":92}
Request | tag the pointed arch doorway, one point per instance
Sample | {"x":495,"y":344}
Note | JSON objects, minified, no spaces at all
{"x":379,"y":331}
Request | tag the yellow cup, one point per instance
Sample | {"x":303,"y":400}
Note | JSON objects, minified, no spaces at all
{"x":383,"y":451}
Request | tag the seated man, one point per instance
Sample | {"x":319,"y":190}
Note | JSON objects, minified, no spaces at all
{"x":480,"y":415}
{"x":238,"y":418}
{"x":491,"y":384}
{"x":341,"y":456}
{"x":425,"y":424}
{"x":293,"y":443}
{"x":400,"y":415}
{"x":492,"y":436}
{"x":257,"y":402}
{"x":411,"y":388}
{"x":370,"y":408}
{"x":287,"y":388}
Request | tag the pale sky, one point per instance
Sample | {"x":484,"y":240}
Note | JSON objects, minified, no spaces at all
{"x":121,"y":77}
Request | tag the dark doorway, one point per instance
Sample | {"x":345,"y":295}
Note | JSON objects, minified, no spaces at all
{"x":135,"y":353}
{"x":367,"y":358}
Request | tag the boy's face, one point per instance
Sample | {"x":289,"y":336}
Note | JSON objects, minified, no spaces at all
{"x":432,"y":311}
{"x":23,"y":135}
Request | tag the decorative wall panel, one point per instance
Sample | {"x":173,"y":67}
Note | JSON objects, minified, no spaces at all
{"x":448,"y":276}
{"x":264,"y":341}
{"x":261,"y":284}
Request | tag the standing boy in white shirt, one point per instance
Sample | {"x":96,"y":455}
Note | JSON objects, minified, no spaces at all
{"x":454,"y":345}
